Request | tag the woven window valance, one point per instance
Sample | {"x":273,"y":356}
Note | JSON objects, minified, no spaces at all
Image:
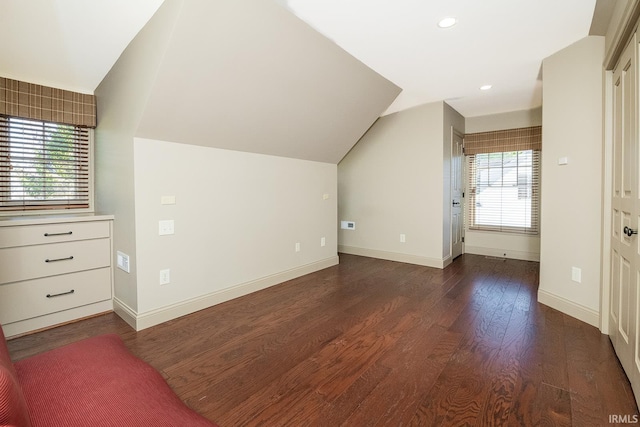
{"x":503,"y":140}
{"x":31,"y":101}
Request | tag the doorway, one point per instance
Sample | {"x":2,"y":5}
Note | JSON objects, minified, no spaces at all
{"x":457,"y":194}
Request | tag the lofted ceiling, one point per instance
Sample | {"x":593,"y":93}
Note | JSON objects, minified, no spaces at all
{"x":68,"y":44}
{"x":268,"y":82}
{"x":72,"y":44}
{"x":495,"y":42}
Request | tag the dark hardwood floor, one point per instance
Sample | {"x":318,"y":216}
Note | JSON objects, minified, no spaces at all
{"x":372,"y":342}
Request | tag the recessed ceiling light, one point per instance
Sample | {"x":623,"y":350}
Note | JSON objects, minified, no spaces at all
{"x":447,"y":22}
{"x":485,"y":87}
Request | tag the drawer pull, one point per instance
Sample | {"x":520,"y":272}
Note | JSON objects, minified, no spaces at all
{"x":59,"y":259}
{"x":61,"y":294}
{"x":58,"y":234}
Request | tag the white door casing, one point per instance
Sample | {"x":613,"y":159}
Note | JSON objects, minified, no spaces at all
{"x":457,"y":192}
{"x":625,"y":205}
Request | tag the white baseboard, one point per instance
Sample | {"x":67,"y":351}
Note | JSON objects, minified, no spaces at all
{"x":447,"y":261}
{"x":395,"y":256}
{"x":522,"y":255}
{"x":570,"y":308}
{"x":125,"y":312}
{"x":140,"y":321}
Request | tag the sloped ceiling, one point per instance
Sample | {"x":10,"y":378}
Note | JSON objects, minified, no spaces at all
{"x":247,"y":75}
{"x":67,"y":44}
{"x":497,"y":42}
{"x":71,"y":44}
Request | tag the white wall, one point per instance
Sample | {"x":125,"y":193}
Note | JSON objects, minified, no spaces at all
{"x":248,"y":75}
{"x":506,"y":245}
{"x":571,"y":194}
{"x":238,"y":214}
{"x":391,"y":183}
{"x":510,"y":120}
{"x":237,"y":219}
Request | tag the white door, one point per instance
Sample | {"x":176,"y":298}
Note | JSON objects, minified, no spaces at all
{"x":625,"y":248}
{"x":457,"y":195}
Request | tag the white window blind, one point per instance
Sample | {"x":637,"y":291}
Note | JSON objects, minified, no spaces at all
{"x":503,"y":172}
{"x":43,"y":165}
{"x":503,"y":191}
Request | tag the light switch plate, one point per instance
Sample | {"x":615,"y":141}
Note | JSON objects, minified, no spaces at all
{"x":166,"y":227}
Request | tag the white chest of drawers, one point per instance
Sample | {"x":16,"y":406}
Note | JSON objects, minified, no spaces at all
{"x":54,"y":270}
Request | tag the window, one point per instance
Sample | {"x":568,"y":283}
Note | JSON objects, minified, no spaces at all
{"x":503,"y":190}
{"x":503,"y":171}
{"x":43,"y":165}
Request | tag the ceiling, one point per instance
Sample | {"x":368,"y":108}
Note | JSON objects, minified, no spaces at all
{"x":68,"y":44}
{"x":72,"y":44}
{"x":495,"y":42}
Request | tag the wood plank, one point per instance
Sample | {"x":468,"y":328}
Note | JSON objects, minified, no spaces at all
{"x":374,"y":342}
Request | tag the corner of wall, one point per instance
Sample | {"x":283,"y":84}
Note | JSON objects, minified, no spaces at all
{"x":121,"y":96}
{"x":391,"y":185}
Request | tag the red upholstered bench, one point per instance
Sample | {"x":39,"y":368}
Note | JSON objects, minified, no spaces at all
{"x":93,"y":382}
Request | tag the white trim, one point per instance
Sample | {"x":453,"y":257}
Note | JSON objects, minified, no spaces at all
{"x":156,"y":316}
{"x":395,"y":256}
{"x":607,"y":179}
{"x":449,"y":259}
{"x":522,"y":255}
{"x":570,"y":308}
{"x":125,"y":312}
{"x":622,"y":35}
{"x":52,"y":219}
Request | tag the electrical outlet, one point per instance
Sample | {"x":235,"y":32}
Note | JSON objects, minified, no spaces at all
{"x":323,"y":241}
{"x":403,"y":238}
{"x":297,"y":247}
{"x":576,"y":274}
{"x":122,"y":261}
{"x":165,"y":277}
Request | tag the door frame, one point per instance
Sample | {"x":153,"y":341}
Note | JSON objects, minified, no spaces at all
{"x":628,"y":26}
{"x":607,"y":184}
{"x":463,"y":178}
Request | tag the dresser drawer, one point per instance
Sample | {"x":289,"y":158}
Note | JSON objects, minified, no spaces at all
{"x":25,"y":300}
{"x":31,"y":262}
{"x":21,"y":235}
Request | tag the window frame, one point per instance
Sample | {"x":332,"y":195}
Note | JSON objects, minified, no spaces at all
{"x":56,"y":210}
{"x":534,"y":228}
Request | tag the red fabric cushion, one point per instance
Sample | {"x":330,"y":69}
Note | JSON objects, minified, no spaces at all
{"x":98,"y":382}
{"x":13,"y":408}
